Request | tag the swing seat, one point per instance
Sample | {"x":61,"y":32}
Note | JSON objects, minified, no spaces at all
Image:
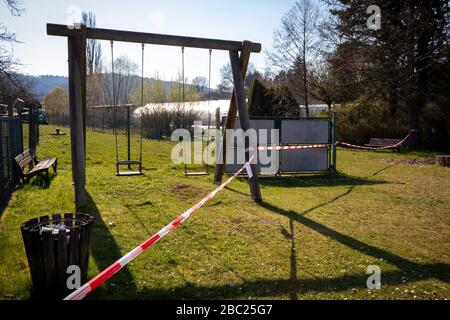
{"x":195,"y":174}
{"x":128,"y":173}
{"x":125,"y":162}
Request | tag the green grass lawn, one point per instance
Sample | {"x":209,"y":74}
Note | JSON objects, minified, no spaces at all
{"x":313,"y":238}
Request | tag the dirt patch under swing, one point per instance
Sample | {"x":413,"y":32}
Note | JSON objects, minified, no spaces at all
{"x":187,"y":191}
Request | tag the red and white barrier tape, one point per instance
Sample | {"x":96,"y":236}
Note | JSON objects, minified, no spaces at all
{"x":276,"y":148}
{"x":398,"y":144}
{"x":93,"y":284}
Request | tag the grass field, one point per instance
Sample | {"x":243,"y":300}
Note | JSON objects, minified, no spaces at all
{"x":313,"y":238}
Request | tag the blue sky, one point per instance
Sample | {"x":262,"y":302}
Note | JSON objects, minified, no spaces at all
{"x":227,"y":19}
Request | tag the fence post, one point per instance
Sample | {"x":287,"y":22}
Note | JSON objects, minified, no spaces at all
{"x":128,"y":136}
{"x":333,"y":141}
{"x":10,"y":142}
{"x":37,"y":126}
{"x":218,"y":118}
{"x":32,"y":128}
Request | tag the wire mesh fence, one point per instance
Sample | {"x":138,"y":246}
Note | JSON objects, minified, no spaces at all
{"x":11,"y":145}
{"x":115,"y":135}
{"x":111,"y":136}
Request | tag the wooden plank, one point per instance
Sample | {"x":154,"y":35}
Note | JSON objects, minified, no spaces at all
{"x":77,"y":70}
{"x":244,"y":120}
{"x":231,"y":116}
{"x":68,"y":219}
{"x":49,"y":262}
{"x":26,"y":235}
{"x":84,"y":250}
{"x":61,"y":264}
{"x":151,"y":38}
{"x":74,"y":246}
{"x":37,"y":258}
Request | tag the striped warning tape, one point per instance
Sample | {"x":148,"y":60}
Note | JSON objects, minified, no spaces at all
{"x":398,"y":144}
{"x":93,"y":284}
{"x":276,"y":148}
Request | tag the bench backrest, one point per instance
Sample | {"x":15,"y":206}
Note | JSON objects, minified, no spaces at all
{"x":25,"y":158}
{"x":384,"y":142}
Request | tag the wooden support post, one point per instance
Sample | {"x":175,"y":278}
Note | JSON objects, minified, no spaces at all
{"x":244,"y":120}
{"x":32,"y":132}
{"x":77,"y":76}
{"x":10,"y":107}
{"x":231,"y":116}
{"x":217,"y":118}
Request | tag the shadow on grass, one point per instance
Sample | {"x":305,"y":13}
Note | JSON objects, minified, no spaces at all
{"x":37,"y":181}
{"x":105,"y":251}
{"x":275,"y":288}
{"x":293,"y":257}
{"x":383,"y":169}
{"x":318,"y":180}
{"x":409,"y":271}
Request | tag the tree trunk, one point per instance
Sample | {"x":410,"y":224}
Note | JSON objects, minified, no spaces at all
{"x":414,"y":116}
{"x":305,"y":74}
{"x":305,"y":88}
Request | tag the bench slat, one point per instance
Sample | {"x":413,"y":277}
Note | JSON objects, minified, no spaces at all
{"x":44,"y":165}
{"x":25,"y":158}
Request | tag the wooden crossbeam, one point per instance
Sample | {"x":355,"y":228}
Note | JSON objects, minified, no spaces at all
{"x":151,"y":38}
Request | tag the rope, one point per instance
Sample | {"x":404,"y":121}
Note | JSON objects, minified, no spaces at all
{"x":398,"y":144}
{"x":209,"y":106}
{"x":182,"y":71}
{"x":142,"y":103}
{"x":182,"y":95}
{"x":114,"y":100}
{"x":209,"y":90}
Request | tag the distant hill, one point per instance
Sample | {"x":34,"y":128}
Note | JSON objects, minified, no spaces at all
{"x":44,"y":83}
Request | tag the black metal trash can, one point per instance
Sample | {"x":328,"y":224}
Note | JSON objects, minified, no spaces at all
{"x":52,"y":245}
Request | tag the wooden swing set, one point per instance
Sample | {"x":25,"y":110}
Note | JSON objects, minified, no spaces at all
{"x":77,"y":35}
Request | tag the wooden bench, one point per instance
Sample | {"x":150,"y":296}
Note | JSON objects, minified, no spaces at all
{"x":380,"y":142}
{"x":28,"y":158}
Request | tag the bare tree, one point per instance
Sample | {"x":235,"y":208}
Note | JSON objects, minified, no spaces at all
{"x":226,"y":75}
{"x":200,"y":84}
{"x":11,"y":82}
{"x":93,"y":48}
{"x":296,"y":47}
{"x":119,"y":86}
{"x":15,"y":7}
{"x":226,"y":79}
{"x":324,"y":84}
{"x":93,"y":63}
